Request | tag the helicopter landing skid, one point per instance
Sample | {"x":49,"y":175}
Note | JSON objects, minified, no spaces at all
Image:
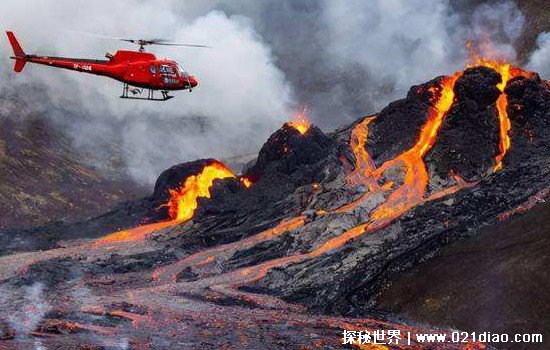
{"x":136,"y":94}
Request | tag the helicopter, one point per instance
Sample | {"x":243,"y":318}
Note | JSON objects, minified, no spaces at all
{"x":137,"y":70}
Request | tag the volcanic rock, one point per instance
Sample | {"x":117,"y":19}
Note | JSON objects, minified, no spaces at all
{"x":307,"y":238}
{"x":529,"y":111}
{"x":397,"y":126}
{"x":175,"y":176}
{"x":470,"y":134}
{"x":298,"y":158}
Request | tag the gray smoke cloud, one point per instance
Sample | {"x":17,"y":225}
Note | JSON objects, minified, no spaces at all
{"x":242,"y":98}
{"x":348,"y":58}
{"x":340,"y":58}
{"x":495,"y":28}
{"x":539,"y":60}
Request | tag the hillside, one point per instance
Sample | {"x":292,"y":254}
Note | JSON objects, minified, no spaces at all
{"x":496,"y":281}
{"x":43,"y":177}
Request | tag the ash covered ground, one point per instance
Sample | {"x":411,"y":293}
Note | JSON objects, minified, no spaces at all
{"x":305,"y":243}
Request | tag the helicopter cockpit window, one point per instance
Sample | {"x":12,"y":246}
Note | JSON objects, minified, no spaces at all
{"x":164,"y":69}
{"x":153,"y":69}
{"x":182,"y":72}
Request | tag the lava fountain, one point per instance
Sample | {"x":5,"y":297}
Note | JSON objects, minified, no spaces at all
{"x":300,"y":122}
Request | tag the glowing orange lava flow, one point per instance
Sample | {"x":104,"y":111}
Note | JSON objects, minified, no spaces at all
{"x":507,"y":72}
{"x":181,"y":206}
{"x":300,"y":122}
{"x":416,"y":177}
{"x":184,"y":200}
{"x":246,"y":182}
{"x":502,"y":107}
{"x":410,"y":193}
{"x":364,"y":165}
{"x":169,"y":273}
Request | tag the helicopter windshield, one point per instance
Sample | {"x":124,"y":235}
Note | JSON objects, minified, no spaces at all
{"x":181,"y":71}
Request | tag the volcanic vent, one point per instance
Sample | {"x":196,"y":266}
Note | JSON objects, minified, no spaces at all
{"x":319,"y":222}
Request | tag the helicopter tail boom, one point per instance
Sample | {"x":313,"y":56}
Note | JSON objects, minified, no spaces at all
{"x":19,"y":55}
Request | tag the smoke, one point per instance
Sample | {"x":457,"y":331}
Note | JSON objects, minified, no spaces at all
{"x":38,"y":345}
{"x":123,"y":344}
{"x":32,"y":311}
{"x":539,"y":60}
{"x":242,"y":95}
{"x":341,"y":58}
{"x":396,"y":43}
{"x":495,"y":28}
{"x":27,"y":311}
{"x":82,"y":297}
{"x":348,"y":58}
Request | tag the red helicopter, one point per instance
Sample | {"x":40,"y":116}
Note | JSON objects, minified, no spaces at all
{"x":137,"y":70}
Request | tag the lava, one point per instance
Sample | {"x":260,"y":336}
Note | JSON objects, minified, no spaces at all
{"x":135,"y":234}
{"x":408,"y":195}
{"x":505,"y":125}
{"x":416,"y":176}
{"x":507,"y":72}
{"x":537,"y":198}
{"x":182,"y":204}
{"x":184,"y":200}
{"x":170,"y":273}
{"x":401,"y":182}
{"x":300,"y":122}
{"x":364,"y":165}
{"x":210,"y":275}
{"x":246,"y":182}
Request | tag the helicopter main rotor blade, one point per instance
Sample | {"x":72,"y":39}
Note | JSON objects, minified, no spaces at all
{"x":94,"y":35}
{"x":142,"y":42}
{"x":186,"y":45}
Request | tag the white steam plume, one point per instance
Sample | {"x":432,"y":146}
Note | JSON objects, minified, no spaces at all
{"x":539,"y":60}
{"x":27,"y":307}
{"x":495,"y":28}
{"x":344,"y":59}
{"x":348,"y":58}
{"x":402,"y":43}
{"x":242,"y":96}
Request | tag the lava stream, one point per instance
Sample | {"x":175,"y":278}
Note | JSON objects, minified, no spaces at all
{"x":416,"y":177}
{"x":170,"y":272}
{"x":182,"y":204}
{"x":364,"y":165}
{"x":404,"y":198}
{"x":408,"y":195}
{"x":184,"y":200}
{"x":507,"y":72}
